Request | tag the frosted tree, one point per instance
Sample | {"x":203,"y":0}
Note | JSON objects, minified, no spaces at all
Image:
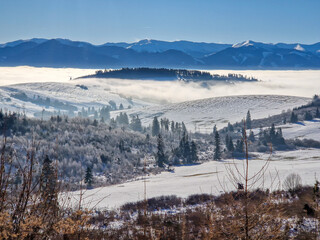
{"x":160,"y":155}
{"x":248,"y":120}
{"x":155,"y":127}
{"x":217,"y":147}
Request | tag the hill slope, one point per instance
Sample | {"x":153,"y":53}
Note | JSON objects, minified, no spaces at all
{"x":202,"y":115}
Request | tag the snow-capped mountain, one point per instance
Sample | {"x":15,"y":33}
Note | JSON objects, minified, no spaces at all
{"x":154,"y":53}
{"x":194,"y":49}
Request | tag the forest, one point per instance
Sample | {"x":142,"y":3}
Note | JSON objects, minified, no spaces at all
{"x":167,"y":74}
{"x":41,"y":159}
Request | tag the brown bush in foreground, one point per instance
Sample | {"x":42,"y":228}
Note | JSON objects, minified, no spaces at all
{"x":29,"y":209}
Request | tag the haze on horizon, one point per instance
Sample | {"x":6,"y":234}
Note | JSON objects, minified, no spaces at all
{"x":98,"y":21}
{"x":272,"y":82}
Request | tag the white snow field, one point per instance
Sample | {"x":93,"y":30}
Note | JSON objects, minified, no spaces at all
{"x":96,"y":95}
{"x":209,"y":177}
{"x":301,"y":130}
{"x":202,"y":115}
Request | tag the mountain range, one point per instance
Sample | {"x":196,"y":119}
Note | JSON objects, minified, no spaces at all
{"x":153,"y":53}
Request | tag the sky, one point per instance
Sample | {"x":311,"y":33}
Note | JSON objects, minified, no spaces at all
{"x":221,"y":21}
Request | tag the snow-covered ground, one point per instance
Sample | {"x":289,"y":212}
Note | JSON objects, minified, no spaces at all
{"x":69,"y":92}
{"x":202,"y":115}
{"x":301,"y":130}
{"x":209,"y":177}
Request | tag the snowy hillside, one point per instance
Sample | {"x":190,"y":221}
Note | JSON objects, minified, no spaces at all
{"x":204,"y":178}
{"x":301,"y":130}
{"x":23,"y":97}
{"x":202,"y":115}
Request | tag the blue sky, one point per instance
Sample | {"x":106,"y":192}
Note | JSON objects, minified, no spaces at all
{"x":100,"y":21}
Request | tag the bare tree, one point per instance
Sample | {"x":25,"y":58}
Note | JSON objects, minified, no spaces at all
{"x":292,"y":182}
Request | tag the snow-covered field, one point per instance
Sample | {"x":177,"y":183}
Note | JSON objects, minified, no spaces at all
{"x":301,"y":130}
{"x":209,"y":177}
{"x":69,"y":92}
{"x":202,"y":115}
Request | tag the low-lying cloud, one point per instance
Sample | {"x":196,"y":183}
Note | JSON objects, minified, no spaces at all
{"x":304,"y":83}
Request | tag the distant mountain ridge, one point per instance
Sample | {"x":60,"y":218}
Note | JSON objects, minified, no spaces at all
{"x":154,"y":53}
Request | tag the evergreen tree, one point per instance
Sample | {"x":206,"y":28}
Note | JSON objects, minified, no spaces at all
{"x":105,"y":113}
{"x":155,"y":127}
{"x":172,"y":127}
{"x":160,"y":156}
{"x":184,"y":147}
{"x":95,"y":123}
{"x":193,"y":152}
{"x":121,"y":146}
{"x":121,"y":106}
{"x":183,"y":126}
{"x":217,"y":149}
{"x":294,"y":118}
{"x":122,"y":119}
{"x":88,"y":179}
{"x":136,"y":124}
{"x":251,"y":136}
{"x":230,"y":145}
{"x":284,"y":121}
{"x":240,"y":146}
{"x":308,"y":116}
{"x":227,"y":140}
{"x":48,"y":185}
{"x":113,"y":123}
{"x":230,"y":127}
{"x":248,"y":120}
{"x":214,"y":130}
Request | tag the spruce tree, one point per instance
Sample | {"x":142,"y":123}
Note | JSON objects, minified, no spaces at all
{"x":217,"y":149}
{"x":230,"y":145}
{"x":88,"y":179}
{"x":308,"y":116}
{"x":294,"y":118}
{"x":183,"y":126}
{"x":251,"y":136}
{"x":227,"y":140}
{"x":48,"y":186}
{"x":160,"y":155}
{"x":214,"y":129}
{"x":248,"y":120}
{"x":172,"y":127}
{"x":184,"y":147}
{"x":155,"y":127}
{"x":230,"y":127}
{"x":193,"y":152}
{"x":240,"y":146}
{"x":136,"y":124}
